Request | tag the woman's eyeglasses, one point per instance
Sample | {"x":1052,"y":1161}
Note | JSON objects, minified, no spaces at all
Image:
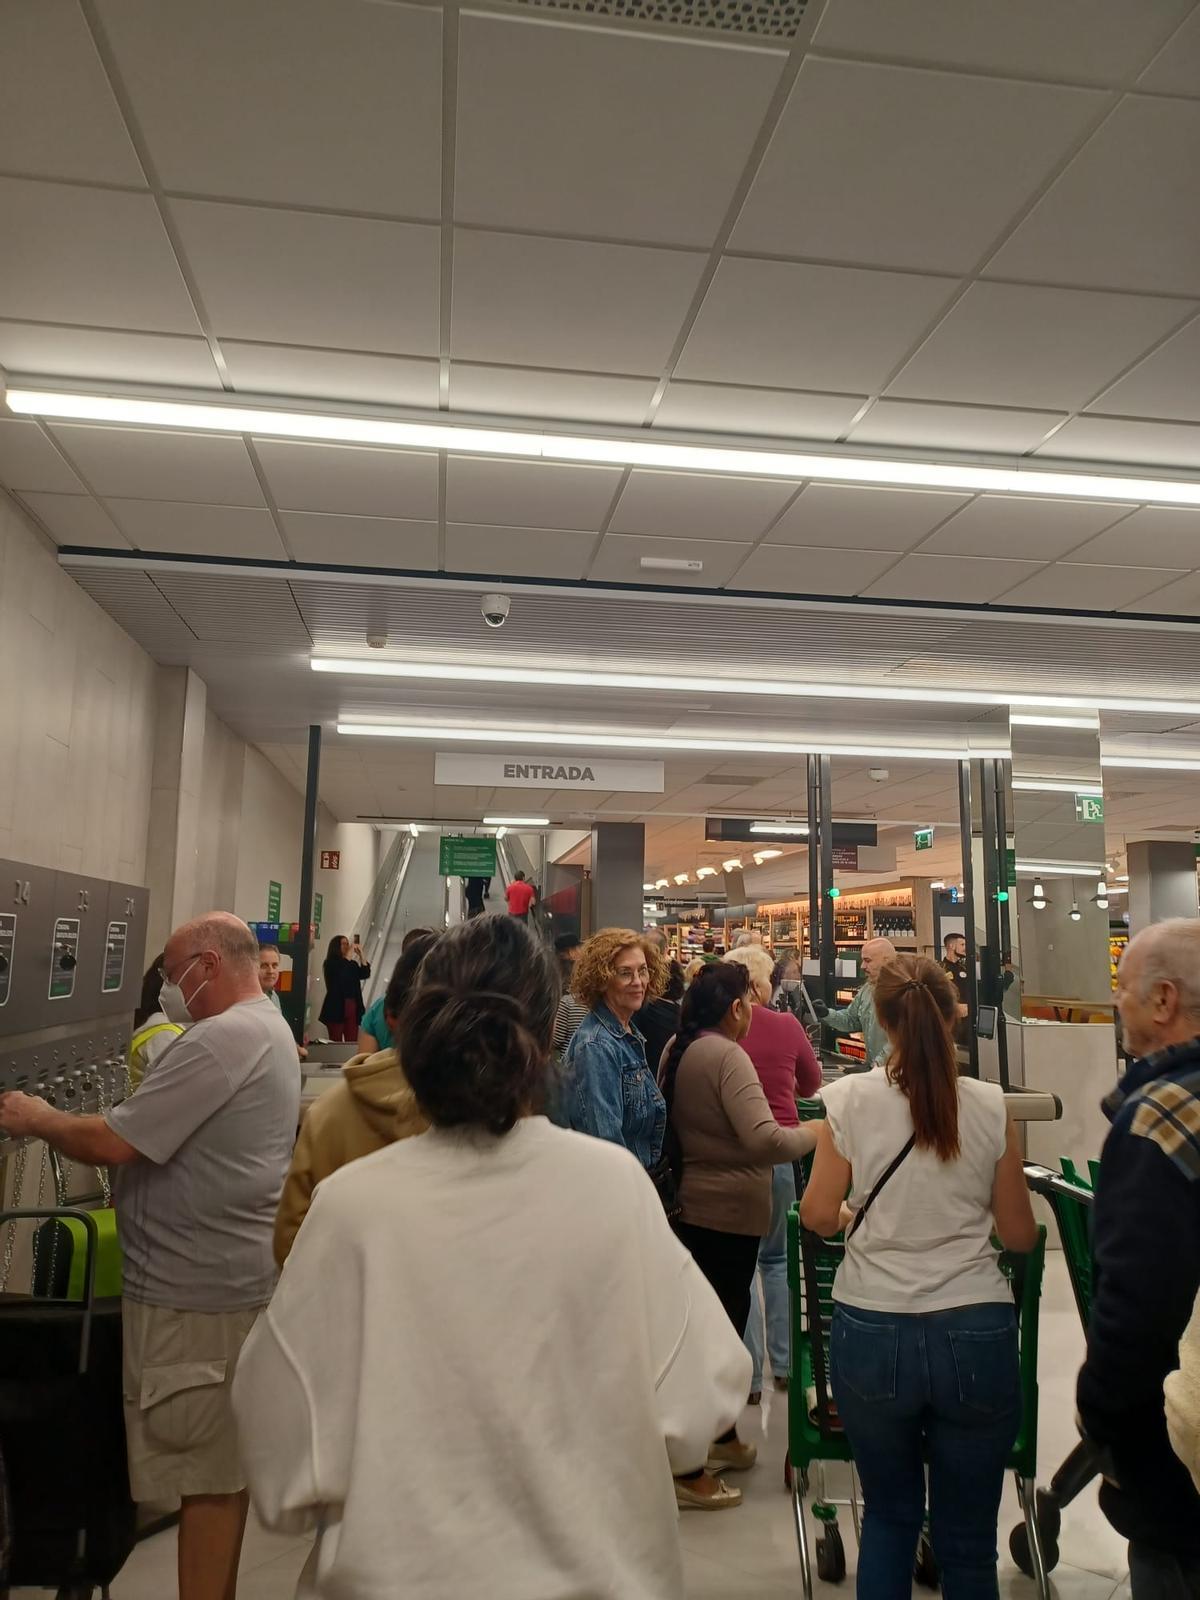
{"x":631,"y":974}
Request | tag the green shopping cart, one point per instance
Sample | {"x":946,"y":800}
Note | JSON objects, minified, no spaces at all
{"x":815,"y":1435}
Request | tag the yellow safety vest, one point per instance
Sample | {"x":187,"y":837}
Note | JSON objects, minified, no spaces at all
{"x":139,"y":1042}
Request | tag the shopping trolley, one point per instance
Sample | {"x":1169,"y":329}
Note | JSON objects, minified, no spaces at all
{"x":1070,"y":1199}
{"x":815,"y":1434}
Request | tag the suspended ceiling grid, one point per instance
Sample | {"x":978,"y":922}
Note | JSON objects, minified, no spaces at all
{"x":476,"y":209}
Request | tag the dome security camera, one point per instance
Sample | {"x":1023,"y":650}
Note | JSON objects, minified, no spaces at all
{"x":377,"y":640}
{"x":495,"y":609}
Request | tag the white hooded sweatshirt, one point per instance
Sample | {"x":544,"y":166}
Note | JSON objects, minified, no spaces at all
{"x":484,"y":1359}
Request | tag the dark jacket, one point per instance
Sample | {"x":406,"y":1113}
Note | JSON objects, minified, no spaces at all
{"x":658,"y":1023}
{"x":343,"y":982}
{"x":1146,"y":1243}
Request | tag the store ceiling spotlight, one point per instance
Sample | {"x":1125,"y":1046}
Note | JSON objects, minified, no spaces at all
{"x":516,"y":822}
{"x":800,"y":829}
{"x":681,"y":877}
{"x":706,"y":872}
{"x":581,"y":738}
{"x":649,"y":888}
{"x":766,"y":855}
{"x":1038,"y":898}
{"x":731,"y":866}
{"x":414,"y":830}
{"x":1101,"y":895}
{"x":81,"y":402}
{"x":663,"y":883}
{"x":1075,"y":914}
{"x":667,"y":683}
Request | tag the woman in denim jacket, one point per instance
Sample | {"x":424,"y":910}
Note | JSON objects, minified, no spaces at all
{"x":611,"y":1091}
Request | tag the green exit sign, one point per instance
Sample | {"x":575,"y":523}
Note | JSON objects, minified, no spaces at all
{"x":923,"y":838}
{"x":1089,"y":808}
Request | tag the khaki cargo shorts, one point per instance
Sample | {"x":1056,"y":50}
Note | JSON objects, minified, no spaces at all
{"x":178,"y":1371}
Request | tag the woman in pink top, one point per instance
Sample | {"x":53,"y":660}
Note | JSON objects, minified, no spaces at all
{"x":787,"y":1067}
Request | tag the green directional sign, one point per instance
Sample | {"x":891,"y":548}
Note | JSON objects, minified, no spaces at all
{"x":274,"y":900}
{"x":923,"y":838}
{"x":1089,"y":808}
{"x":460,"y":856}
{"x":318,"y":911}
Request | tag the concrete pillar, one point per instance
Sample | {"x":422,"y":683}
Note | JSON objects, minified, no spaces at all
{"x":173,"y":840}
{"x":618,"y":870}
{"x":1162,"y":881}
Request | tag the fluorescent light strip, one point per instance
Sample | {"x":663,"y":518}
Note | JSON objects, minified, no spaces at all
{"x":798,"y":828}
{"x":1060,"y":869}
{"x":78,"y":405}
{"x":516,"y":822}
{"x":554,"y":677}
{"x":1022,"y":720}
{"x":584,"y":737}
{"x":1154,"y":763}
{"x":1058,"y":786}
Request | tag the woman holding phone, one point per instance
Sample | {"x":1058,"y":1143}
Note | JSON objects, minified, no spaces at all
{"x":344,"y":968}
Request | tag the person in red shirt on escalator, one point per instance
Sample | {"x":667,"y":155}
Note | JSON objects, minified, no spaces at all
{"x":520,"y":896}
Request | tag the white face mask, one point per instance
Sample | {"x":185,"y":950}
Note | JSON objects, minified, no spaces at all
{"x":172,"y":1002}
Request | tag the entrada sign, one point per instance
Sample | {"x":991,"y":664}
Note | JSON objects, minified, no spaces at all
{"x":547,"y":769}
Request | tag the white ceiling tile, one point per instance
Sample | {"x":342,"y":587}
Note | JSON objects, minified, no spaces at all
{"x":530,"y":494}
{"x":692,"y":505}
{"x":76,"y":519}
{"x":620,"y":554}
{"x":48,"y":66}
{"x":152,"y":464}
{"x":331,"y":374}
{"x":361,"y":541}
{"x":28,"y":460}
{"x":791,"y":326}
{"x":363,"y":482}
{"x":1176,"y":68}
{"x":917,"y":169}
{"x":294,"y":277}
{"x":964,"y":579}
{"x":318,"y":102}
{"x":1021,"y":525}
{"x":1076,"y":586}
{"x":924,"y":423}
{"x":37,"y":348}
{"x":569,"y":396}
{"x":771,"y":413}
{"x":1156,"y":536}
{"x":88,"y":255}
{"x":1088,"y":41}
{"x":517,"y":552}
{"x":1015,"y":345}
{"x":777,"y":570}
{"x":1123,"y":215}
{"x":561,"y":303}
{"x":199,"y":530}
{"x":1163,"y":385}
{"x":562,"y":129}
{"x":1180,"y":598}
{"x":844,"y":516}
{"x":1092,"y":438}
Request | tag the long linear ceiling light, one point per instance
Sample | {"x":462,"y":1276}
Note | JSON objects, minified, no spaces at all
{"x":81,"y":406}
{"x":566,"y":678}
{"x":584,"y":737}
{"x":1154,"y":763}
{"x":1060,"y":869}
{"x":1081,"y":786}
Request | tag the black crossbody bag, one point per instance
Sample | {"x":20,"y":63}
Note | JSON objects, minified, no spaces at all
{"x":877,"y":1190}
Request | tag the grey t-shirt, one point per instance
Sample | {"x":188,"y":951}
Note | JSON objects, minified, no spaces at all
{"x":213,"y":1122}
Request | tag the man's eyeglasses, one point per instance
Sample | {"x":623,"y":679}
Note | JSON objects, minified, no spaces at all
{"x":631,"y":974}
{"x":166,"y":976}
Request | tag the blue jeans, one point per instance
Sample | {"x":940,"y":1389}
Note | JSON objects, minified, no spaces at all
{"x":772,"y":1264}
{"x":943,"y":1387}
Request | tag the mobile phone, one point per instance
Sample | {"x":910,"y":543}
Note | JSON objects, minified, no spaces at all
{"x":358,"y":938}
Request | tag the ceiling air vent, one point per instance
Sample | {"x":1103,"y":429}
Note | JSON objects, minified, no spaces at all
{"x":776,"y":19}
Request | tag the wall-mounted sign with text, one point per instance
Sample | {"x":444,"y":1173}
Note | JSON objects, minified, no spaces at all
{"x":548,"y":769}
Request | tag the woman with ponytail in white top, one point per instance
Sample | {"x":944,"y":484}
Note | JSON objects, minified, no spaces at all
{"x":924,"y":1341}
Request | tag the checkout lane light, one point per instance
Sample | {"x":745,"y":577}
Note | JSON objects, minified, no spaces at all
{"x":834,"y":892}
{"x":1038,"y":898}
{"x":731,"y":866}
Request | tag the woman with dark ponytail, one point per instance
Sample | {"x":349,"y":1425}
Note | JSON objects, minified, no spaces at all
{"x":526,"y":1270}
{"x":726,"y":1144}
{"x":924,"y":1340}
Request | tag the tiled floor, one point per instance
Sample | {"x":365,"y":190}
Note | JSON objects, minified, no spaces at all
{"x":750,"y":1554}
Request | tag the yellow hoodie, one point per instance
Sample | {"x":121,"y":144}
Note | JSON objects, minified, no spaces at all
{"x":373,"y":1106}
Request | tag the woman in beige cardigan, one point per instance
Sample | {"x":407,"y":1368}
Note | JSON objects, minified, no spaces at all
{"x":1183,"y":1399}
{"x":728,"y":1146}
{"x":371,"y":1107}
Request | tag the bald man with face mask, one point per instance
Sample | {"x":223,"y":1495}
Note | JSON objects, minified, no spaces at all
{"x":859,"y":1016}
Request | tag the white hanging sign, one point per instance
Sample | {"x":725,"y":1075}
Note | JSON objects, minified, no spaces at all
{"x":547,"y":769}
